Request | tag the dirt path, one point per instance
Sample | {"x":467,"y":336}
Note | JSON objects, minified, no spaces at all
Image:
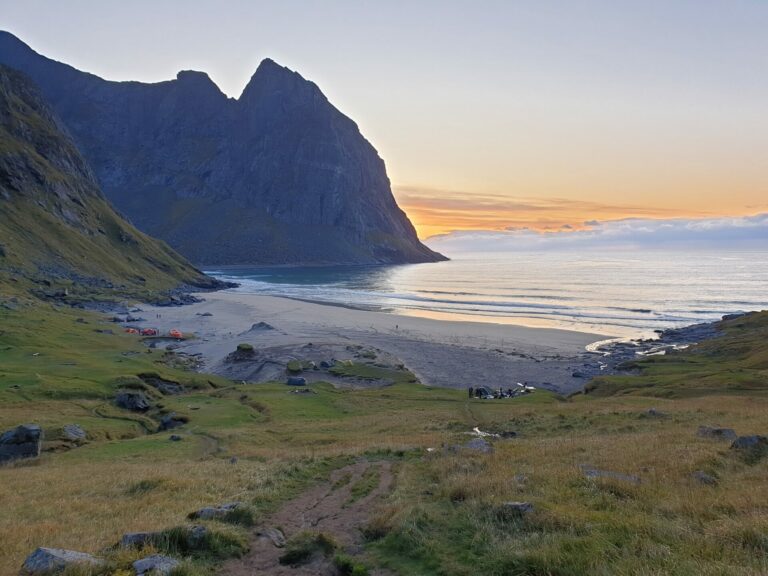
{"x":338,"y":508}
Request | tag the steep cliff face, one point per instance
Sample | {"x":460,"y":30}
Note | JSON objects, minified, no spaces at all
{"x":55,"y":224}
{"x":276,"y":176}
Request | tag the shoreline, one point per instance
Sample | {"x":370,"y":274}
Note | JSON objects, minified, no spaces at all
{"x":443,"y":353}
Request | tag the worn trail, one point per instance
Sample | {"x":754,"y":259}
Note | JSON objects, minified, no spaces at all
{"x":338,"y":508}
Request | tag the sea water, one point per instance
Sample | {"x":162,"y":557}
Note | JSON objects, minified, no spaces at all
{"x":626,"y":294}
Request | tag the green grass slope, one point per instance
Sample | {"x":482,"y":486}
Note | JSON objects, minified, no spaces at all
{"x":55,"y":225}
{"x":734,"y":363}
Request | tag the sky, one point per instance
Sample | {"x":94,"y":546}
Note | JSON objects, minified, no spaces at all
{"x":490,"y":115}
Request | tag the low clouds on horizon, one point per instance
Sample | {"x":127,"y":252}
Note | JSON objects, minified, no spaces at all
{"x":436,"y":212}
{"x":734,"y":233}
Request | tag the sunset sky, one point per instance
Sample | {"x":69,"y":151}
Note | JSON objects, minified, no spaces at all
{"x":489,"y":114}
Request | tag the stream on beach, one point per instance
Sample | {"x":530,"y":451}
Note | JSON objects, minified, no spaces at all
{"x":631,"y":294}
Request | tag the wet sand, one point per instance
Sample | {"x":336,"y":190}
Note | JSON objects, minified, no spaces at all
{"x":444,"y":353}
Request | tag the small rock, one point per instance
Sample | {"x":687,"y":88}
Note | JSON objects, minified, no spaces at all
{"x":296,"y":381}
{"x":175,"y":438}
{"x":214,"y":512}
{"x":275,"y":535}
{"x":479,"y":445}
{"x":137,"y":539}
{"x":512,"y":510}
{"x":716,"y":433}
{"x":74,"y":433}
{"x":155,"y":565}
{"x":325,"y":364}
{"x":654,"y":413}
{"x":704,"y":478}
{"x":53,"y":560}
{"x":21,"y":442}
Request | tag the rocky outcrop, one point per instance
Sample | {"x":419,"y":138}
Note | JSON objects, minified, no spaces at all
{"x":276,"y":176}
{"x":55,"y":222}
{"x":21,"y":442}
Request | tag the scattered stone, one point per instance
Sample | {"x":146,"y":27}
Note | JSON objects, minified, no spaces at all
{"x":704,"y":478}
{"x":654,"y":413}
{"x":261,"y":326}
{"x":716,"y":433}
{"x":155,"y":565}
{"x":53,"y":560}
{"x":233,"y":460}
{"x":593,"y":473}
{"x":514,"y":510}
{"x":21,"y":442}
{"x":74,"y":433}
{"x":206,"y":314}
{"x":132,"y":400}
{"x":325,"y":364}
{"x":275,"y":535}
{"x":214,"y":512}
{"x":175,"y":438}
{"x":479,"y":445}
{"x":81,"y":321}
{"x":110,"y":332}
{"x":296,"y":381}
{"x":303,"y":391}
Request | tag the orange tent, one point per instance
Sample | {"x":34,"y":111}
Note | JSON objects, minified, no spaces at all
{"x":176,"y":333}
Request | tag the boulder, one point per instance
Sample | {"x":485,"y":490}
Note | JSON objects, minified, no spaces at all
{"x":73,"y":433}
{"x":296,"y":381}
{"x":654,"y":413}
{"x":750,"y":443}
{"x":21,"y":442}
{"x":54,"y":560}
{"x":172,"y":420}
{"x":132,"y":400}
{"x":155,"y":565}
{"x":175,"y":438}
{"x":214,"y":512}
{"x":716,"y":433}
{"x":325,"y":364}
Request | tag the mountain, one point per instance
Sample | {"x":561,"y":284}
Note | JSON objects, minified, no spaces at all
{"x":278,"y":176}
{"x":55,"y":224}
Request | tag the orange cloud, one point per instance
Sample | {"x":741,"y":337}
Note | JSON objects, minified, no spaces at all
{"x":434,"y":211}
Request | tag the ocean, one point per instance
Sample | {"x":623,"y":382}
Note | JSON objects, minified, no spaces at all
{"x":624,"y":294}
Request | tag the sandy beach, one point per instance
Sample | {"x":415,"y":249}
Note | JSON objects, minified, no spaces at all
{"x":453,"y":354}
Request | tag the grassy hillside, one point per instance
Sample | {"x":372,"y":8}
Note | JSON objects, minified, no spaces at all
{"x":445,"y":515}
{"x":56,"y":228}
{"x":734,"y":363}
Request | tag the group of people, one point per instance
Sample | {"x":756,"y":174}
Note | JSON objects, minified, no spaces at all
{"x":487,"y":393}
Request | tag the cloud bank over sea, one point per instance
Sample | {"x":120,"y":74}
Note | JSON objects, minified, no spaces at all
{"x":723,"y":233}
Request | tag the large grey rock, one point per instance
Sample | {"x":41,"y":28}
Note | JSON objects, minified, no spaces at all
{"x":53,"y":560}
{"x":74,"y":433}
{"x":281,"y":160}
{"x":296,"y":381}
{"x":132,"y":400}
{"x":274,"y":535}
{"x":750,"y":443}
{"x":172,"y":420}
{"x":21,"y":442}
{"x":155,"y":565}
{"x":716,"y":433}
